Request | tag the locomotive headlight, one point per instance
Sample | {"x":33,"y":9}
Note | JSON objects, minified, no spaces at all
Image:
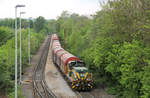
{"x":88,"y":79}
{"x":77,"y":84}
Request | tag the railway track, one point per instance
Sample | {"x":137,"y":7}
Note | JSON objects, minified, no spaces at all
{"x":40,"y":87}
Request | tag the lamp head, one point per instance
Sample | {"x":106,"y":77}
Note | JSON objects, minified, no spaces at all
{"x":20,"y":6}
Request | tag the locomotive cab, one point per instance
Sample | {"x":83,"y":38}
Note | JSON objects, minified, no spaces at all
{"x":73,"y":65}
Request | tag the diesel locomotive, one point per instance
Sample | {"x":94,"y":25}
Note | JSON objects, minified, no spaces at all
{"x":71,"y":66}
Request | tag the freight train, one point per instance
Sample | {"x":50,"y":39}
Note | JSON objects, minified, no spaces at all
{"x":72,"y":67}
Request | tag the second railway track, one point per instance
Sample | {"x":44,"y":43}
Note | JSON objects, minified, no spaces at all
{"x":40,"y":87}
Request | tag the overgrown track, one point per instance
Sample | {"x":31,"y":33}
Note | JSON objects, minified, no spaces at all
{"x":40,"y":87}
{"x":85,"y":95}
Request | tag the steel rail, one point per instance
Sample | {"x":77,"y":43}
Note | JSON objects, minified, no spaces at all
{"x":39,"y":84}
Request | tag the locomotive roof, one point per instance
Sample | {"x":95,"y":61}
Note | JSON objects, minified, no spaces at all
{"x":68,"y":57}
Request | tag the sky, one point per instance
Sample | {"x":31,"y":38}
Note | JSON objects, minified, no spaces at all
{"x":49,"y":9}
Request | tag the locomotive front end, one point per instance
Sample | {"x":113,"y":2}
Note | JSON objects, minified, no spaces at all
{"x":82,"y":80}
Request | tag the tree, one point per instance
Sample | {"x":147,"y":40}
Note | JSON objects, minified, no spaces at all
{"x":39,"y":24}
{"x":51,"y":26}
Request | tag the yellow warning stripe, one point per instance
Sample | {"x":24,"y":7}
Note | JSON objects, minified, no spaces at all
{"x":85,"y":75}
{"x":78,"y":75}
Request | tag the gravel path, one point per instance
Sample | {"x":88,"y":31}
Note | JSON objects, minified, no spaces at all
{"x":56,"y":82}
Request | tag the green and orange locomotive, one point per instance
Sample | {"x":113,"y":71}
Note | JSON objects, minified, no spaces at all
{"x":71,"y":66}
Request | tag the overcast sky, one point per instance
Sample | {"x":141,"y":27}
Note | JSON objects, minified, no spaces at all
{"x":49,"y":9}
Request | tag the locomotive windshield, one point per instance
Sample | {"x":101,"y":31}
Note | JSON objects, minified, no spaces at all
{"x":81,"y":64}
{"x":81,"y":70}
{"x":77,"y":64}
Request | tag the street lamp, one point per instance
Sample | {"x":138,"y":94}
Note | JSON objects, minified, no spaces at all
{"x":16,"y":48}
{"x":29,"y":41}
{"x":20,"y":46}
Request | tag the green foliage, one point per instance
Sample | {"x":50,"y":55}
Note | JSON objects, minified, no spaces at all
{"x":51,"y":26}
{"x":39,"y":24}
{"x":145,"y":75}
{"x":19,"y":91}
{"x":8,"y":22}
{"x":5,"y":34}
{"x":124,"y":64}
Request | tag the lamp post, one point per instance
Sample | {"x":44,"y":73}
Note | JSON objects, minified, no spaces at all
{"x":20,"y":47}
{"x":16,"y":48}
{"x":29,"y":41}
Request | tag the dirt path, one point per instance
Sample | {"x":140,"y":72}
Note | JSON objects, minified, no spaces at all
{"x":101,"y":93}
{"x":56,"y":82}
{"x":27,"y":77}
